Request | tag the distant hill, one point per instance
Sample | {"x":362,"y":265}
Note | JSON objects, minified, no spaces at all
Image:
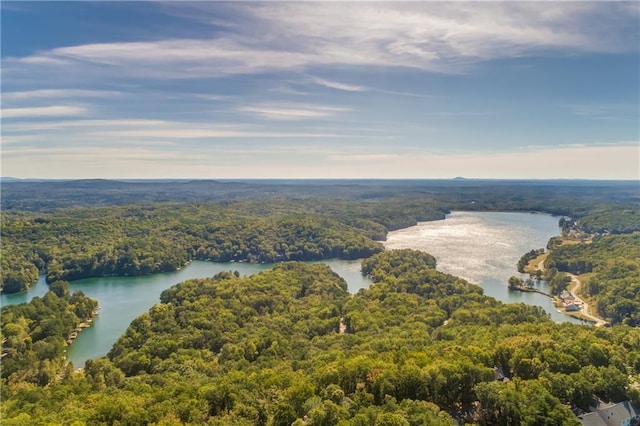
{"x":541,"y":195}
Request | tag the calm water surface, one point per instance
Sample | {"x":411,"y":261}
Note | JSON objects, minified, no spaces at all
{"x":122,"y":299}
{"x":479,"y":246}
{"x":484,"y":248}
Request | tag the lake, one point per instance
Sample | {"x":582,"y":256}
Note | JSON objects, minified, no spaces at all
{"x":484,"y":248}
{"x":122,"y":299}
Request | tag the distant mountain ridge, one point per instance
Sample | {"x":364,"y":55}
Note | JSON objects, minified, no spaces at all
{"x":39,"y":195}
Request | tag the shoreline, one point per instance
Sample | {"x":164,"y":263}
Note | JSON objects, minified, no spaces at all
{"x":487,"y":270}
{"x":583,"y":312}
{"x":84,"y":324}
{"x":179,"y":268}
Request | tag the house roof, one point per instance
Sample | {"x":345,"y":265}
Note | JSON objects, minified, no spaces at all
{"x":611,"y":415}
{"x":592,"y":419}
{"x":616,"y":414}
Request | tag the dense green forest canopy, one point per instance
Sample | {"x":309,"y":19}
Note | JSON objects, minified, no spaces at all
{"x":291,"y":346}
{"x":77,"y":229}
{"x":136,"y":240}
{"x":34,"y":334}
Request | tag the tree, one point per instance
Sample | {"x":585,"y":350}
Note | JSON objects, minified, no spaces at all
{"x":515,"y":282}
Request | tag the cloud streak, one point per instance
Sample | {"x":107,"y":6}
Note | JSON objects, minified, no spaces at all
{"x":293,"y":111}
{"x":58,"y":93}
{"x":356,"y":89}
{"x":438,"y":37}
{"x":339,"y":86}
{"x":48,"y":111}
{"x":139,"y":131}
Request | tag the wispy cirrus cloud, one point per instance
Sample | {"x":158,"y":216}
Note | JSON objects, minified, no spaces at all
{"x":142,"y":130}
{"x":293,"y":111}
{"x":606,"y":112}
{"x":46,"y":111}
{"x":339,"y":86}
{"x":314,"y":75}
{"x":58,"y":93}
{"x":438,"y":37}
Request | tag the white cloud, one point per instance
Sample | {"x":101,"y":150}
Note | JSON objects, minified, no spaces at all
{"x":274,"y":36}
{"x":205,"y":133}
{"x":73,"y":125}
{"x":58,"y":93}
{"x":48,"y":111}
{"x":338,"y":85}
{"x":293,"y":111}
{"x":145,"y":131}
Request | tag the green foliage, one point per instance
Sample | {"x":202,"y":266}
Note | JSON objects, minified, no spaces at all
{"x":35,"y":333}
{"x":266,"y":350}
{"x":139,"y":240}
{"x":615,"y":262}
{"x":521,"y":403}
{"x":420,"y":345}
{"x":623,"y":219}
{"x":515,"y":282}
{"x":524,"y":260}
{"x":137,"y":229}
{"x":396,"y":263}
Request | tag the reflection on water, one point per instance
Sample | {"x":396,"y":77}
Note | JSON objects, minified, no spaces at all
{"x":481,"y":247}
{"x":484,"y":248}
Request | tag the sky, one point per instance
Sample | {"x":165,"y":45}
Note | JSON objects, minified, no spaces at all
{"x":151,"y":89}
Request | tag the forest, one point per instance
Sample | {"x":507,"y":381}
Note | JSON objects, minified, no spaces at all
{"x":291,"y":346}
{"x":612,"y":263}
{"x":34,"y":334}
{"x":142,"y":239}
{"x":79,"y":229}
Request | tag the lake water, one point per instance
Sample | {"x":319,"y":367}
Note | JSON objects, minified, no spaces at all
{"x":484,"y":248}
{"x":122,"y":299}
{"x":478,"y":246}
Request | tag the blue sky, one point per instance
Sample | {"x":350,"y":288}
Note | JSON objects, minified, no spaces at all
{"x":320,"y":90}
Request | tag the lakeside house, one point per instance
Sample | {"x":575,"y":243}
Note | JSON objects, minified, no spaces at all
{"x":572,"y":307}
{"x":567,"y":297}
{"x":621,"y":414}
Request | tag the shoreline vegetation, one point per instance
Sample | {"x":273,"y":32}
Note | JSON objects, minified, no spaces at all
{"x":161,"y":226}
{"x":86,"y":323}
{"x":280,"y":258}
{"x":567,"y":296}
{"x":528,"y":289}
{"x":290,"y":345}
